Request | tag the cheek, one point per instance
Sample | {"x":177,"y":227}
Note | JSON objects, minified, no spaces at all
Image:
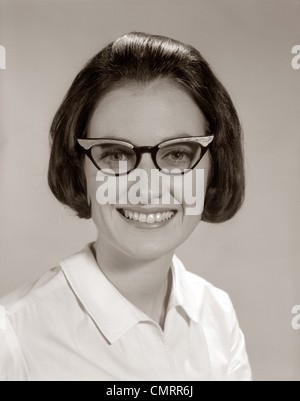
{"x":91,"y":185}
{"x":101,"y":189}
{"x":189,"y":189}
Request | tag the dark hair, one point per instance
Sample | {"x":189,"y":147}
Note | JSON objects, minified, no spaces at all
{"x":143,"y":58}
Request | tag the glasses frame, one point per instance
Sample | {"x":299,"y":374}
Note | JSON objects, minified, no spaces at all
{"x":88,"y":143}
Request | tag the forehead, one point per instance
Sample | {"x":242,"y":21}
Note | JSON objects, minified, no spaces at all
{"x":147,"y":113}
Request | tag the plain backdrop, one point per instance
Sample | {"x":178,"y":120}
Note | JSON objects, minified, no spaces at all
{"x":255,"y":256}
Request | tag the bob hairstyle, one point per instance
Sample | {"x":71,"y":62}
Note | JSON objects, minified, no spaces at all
{"x":142,"y":58}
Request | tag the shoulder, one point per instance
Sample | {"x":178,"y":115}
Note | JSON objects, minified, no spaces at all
{"x":214,"y":311}
{"x":18,"y":311}
{"x":210,"y":292}
{"x":199,"y":285}
{"x":207,"y":299}
{"x":33,"y":292}
{"x":13,"y":366}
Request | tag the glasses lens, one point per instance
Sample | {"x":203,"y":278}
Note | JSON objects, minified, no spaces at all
{"x":178,"y":155}
{"x":116,"y":157}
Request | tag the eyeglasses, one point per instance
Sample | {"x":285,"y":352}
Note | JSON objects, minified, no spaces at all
{"x":179,"y":153}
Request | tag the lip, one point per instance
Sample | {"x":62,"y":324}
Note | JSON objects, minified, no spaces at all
{"x":148,"y":209}
{"x":147,"y":226}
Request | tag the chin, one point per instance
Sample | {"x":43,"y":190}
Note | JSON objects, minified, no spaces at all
{"x":149,"y":251}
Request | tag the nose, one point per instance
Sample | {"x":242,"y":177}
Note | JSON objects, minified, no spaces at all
{"x":148,"y":191}
{"x":146,"y":163}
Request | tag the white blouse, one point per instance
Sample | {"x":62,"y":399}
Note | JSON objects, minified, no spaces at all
{"x":73,"y":325}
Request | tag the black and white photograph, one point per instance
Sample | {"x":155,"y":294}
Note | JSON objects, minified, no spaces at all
{"x":149,"y":193}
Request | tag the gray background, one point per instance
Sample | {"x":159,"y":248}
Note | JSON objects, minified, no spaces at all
{"x":254,"y":257}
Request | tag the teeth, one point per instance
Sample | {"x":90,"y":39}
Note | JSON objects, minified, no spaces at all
{"x":142,"y":218}
{"x":148,"y":218}
{"x":158,"y":217}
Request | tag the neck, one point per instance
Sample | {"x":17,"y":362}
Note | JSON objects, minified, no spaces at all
{"x":145,"y":283}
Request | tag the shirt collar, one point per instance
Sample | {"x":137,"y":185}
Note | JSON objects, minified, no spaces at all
{"x":183,"y":290}
{"x":114,"y":314}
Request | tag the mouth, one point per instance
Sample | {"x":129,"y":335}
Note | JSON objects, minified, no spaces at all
{"x":147,"y":220}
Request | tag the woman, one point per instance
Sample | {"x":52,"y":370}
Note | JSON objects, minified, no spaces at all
{"x":125,"y":308}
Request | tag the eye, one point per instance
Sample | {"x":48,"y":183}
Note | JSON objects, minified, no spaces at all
{"x":112,"y":154}
{"x":177,"y":155}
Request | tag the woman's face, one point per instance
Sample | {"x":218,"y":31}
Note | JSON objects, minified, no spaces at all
{"x":145,"y":116}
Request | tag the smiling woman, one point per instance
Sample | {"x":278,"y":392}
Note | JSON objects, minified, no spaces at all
{"x":147,"y":115}
{"x":125,"y":308}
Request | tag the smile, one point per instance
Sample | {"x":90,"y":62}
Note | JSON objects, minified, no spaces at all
{"x":148,"y":218}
